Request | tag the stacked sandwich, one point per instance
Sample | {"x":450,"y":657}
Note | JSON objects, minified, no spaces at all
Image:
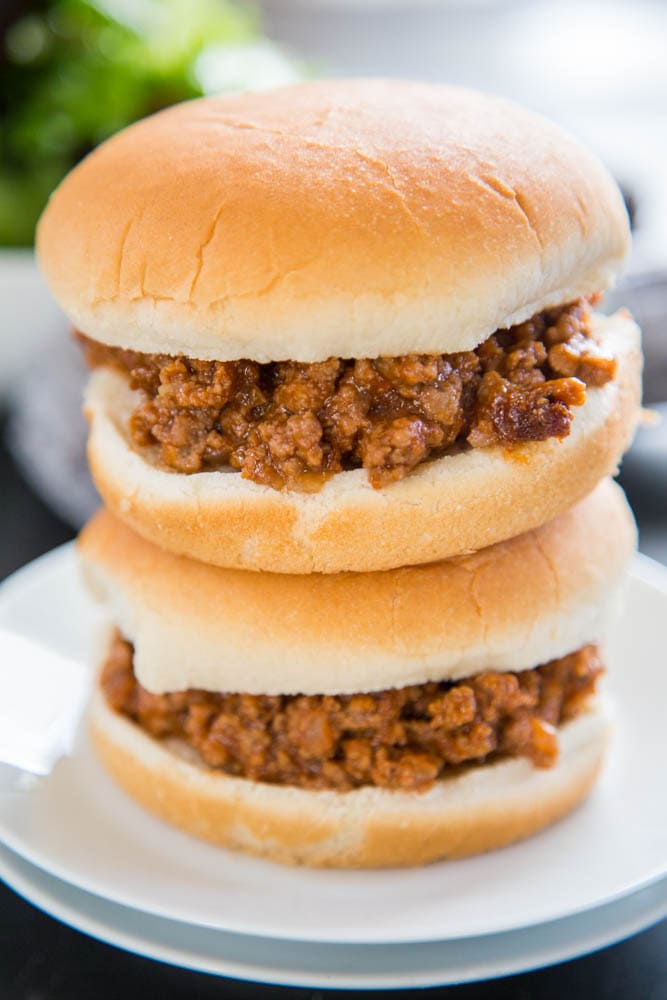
{"x":352,"y":414}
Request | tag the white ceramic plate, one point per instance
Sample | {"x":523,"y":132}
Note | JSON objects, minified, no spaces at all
{"x":268,"y":960}
{"x":78,"y":826}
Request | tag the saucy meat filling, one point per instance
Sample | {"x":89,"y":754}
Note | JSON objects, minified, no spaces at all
{"x":292,"y":425}
{"x":403,"y":738}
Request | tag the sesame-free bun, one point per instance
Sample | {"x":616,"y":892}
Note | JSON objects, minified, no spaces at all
{"x":456,"y":504}
{"x":510,"y":607}
{"x":482,"y":809}
{"x":337,"y":218}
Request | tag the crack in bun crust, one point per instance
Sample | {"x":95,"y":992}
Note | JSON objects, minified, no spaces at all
{"x":352,"y":219}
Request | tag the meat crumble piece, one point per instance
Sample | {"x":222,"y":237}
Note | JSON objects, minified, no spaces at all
{"x":292,"y":425}
{"x":404,"y":738}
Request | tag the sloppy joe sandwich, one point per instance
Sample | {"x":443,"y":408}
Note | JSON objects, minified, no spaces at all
{"x":377,"y":719}
{"x":347,"y":325}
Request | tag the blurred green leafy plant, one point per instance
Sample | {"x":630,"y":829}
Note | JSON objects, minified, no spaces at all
{"x":72,"y":72}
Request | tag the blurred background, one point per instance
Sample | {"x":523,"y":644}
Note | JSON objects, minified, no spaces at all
{"x":73,"y":72}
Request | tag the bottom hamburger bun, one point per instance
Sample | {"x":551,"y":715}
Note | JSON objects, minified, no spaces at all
{"x":452,"y":505}
{"x":481,"y":809}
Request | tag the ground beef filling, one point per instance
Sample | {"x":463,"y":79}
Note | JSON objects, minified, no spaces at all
{"x":404,"y":738}
{"x":292,"y":425}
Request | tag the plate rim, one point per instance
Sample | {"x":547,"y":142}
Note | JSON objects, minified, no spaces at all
{"x":551,"y":952}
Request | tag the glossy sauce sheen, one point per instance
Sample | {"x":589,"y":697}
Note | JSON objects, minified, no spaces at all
{"x":292,"y":425}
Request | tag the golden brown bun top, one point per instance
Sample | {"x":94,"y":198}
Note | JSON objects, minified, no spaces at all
{"x":338,"y":218}
{"x":509,"y":607}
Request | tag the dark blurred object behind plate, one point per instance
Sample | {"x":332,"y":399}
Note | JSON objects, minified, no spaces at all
{"x":645,"y":295}
{"x":47,"y":431}
{"x":644,"y":471}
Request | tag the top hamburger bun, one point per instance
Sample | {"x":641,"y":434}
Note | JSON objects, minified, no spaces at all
{"x":512,"y":607}
{"x":342,"y":218}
